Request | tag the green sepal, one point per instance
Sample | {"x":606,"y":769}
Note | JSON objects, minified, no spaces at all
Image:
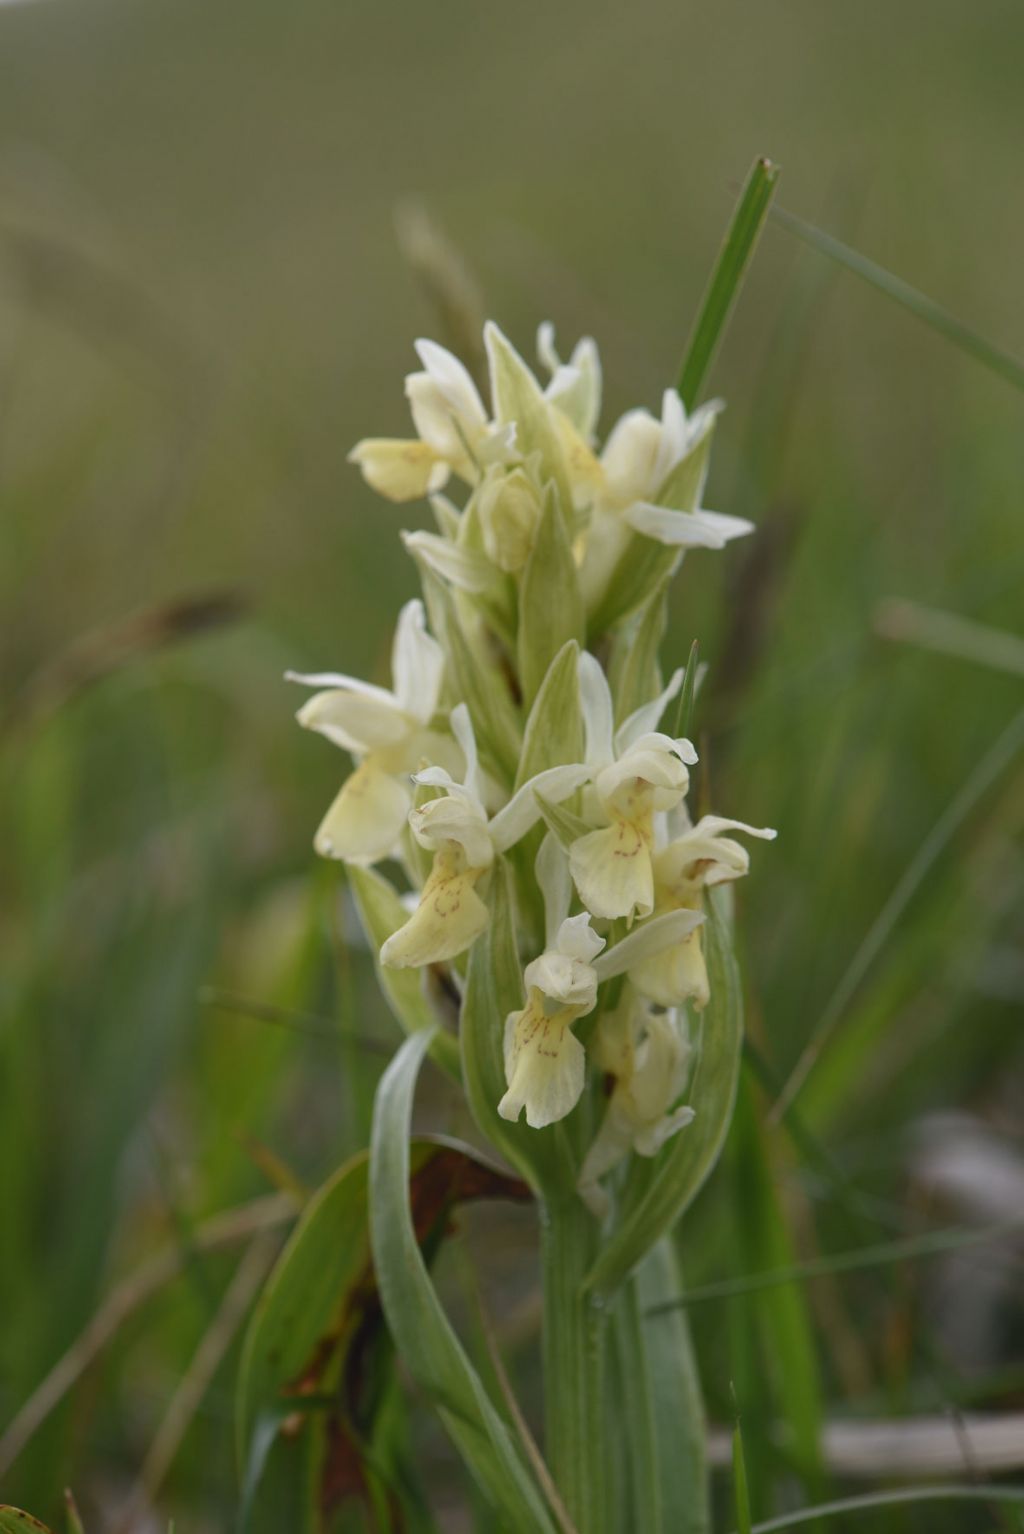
{"x":643,"y":566}
{"x":554,"y":729}
{"x":550,"y":605}
{"x":566,"y":826}
{"x":634,"y":675}
{"x":479,"y":682}
{"x":516,"y":396}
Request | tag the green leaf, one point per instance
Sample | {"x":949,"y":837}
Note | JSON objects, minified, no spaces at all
{"x":684,"y":1165}
{"x":381,"y":913}
{"x":550,"y":606}
{"x":684,"y":484}
{"x":554,"y":730}
{"x":316,"y":1353}
{"x":727,"y":278}
{"x":14,"y":1521}
{"x":494,"y":988}
{"x":633,"y":672}
{"x":517,"y":396}
{"x":429,"y":1347}
{"x":662,"y":1406}
{"x":1004,"y":364}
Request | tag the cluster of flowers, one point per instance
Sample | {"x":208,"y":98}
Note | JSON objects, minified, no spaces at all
{"x":604,"y":843}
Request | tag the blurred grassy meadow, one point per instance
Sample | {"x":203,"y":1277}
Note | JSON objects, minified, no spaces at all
{"x":202,"y":306}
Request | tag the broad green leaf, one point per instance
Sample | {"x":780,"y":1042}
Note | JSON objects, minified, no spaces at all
{"x":550,"y":606}
{"x":422,"y":1333}
{"x":517,"y":396}
{"x":381,"y":913}
{"x":727,"y":278}
{"x":683,"y":1166}
{"x":644,"y":565}
{"x":662,"y":1406}
{"x":633,"y":672}
{"x":14,"y":1521}
{"x":316,"y":1359}
{"x":494,"y":988}
{"x":1004,"y":364}
{"x":554,"y":729}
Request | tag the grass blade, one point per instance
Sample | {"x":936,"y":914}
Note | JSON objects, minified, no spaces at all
{"x":727,"y":277}
{"x":988,"y":770}
{"x":1003,"y":364}
{"x":949,"y":634}
{"x":883,"y":1499}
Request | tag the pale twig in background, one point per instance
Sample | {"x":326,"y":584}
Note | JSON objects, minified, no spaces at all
{"x":950,"y":634}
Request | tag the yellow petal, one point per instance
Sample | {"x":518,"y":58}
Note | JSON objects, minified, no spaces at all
{"x":449,"y":917}
{"x":544,"y":1064}
{"x":612,"y":870}
{"x":401,"y":470}
{"x":366,"y":819}
{"x":675,"y":975}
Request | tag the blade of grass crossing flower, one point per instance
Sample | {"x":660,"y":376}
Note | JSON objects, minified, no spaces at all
{"x":382,"y":913}
{"x":687,"y":1161}
{"x":740,"y":1490}
{"x":684,"y":707}
{"x":1003,"y":364}
{"x":421,"y":1330}
{"x":727,"y":278}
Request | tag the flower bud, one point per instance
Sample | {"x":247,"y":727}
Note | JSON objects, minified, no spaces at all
{"x":509,"y":510}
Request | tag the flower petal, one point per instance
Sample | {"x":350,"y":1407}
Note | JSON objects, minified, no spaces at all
{"x":551,"y":868}
{"x":357,"y":721}
{"x":596,"y":707}
{"x":612,"y":871}
{"x":645,"y":941}
{"x":685,"y":529}
{"x":366,"y":819}
{"x":400,"y":470}
{"x":417,"y":663}
{"x":449,"y":917}
{"x":645,"y":719}
{"x":522,"y":811}
{"x":545,"y":1066}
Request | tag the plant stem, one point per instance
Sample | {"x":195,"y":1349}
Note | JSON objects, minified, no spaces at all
{"x":574,"y":1350}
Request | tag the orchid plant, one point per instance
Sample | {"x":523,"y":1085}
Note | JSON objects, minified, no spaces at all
{"x":515,"y":822}
{"x":549,"y":921}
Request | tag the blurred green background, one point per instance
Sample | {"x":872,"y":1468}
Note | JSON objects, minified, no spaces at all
{"x":202,"y":306}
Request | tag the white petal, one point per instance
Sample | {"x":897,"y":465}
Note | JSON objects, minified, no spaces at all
{"x":646,"y":717}
{"x":649,"y":938}
{"x":565,"y":979}
{"x":577,"y":939}
{"x":713,"y":825}
{"x":551,"y":868}
{"x":685,"y":529}
{"x":630,"y":455}
{"x":522,"y":811}
{"x":462,"y":729}
{"x":454,"y":818}
{"x":546,"y":353}
{"x":596,"y":707}
{"x":417,"y":663}
{"x":366,"y":819}
{"x":357,"y":721}
{"x":453,"y":380}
